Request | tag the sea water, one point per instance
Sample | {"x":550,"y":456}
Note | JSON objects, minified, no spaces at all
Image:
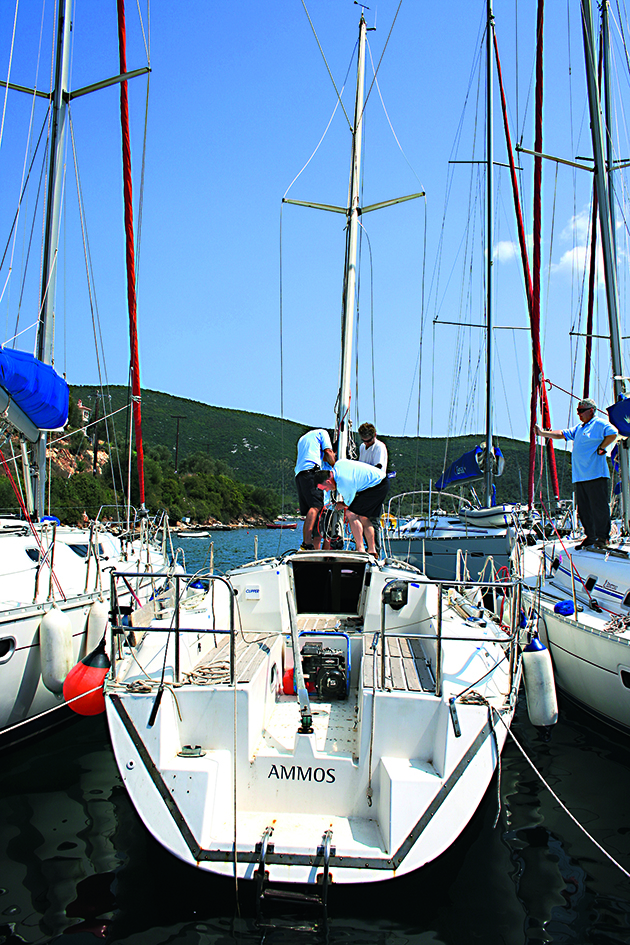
{"x":75,"y":859}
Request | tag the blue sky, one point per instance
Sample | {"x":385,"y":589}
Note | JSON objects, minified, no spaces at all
{"x":239,"y":99}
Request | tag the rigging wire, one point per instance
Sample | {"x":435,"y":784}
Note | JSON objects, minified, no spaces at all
{"x":339,"y":94}
{"x":389,"y":36}
{"x":25,"y":173}
{"x":6,"y":88}
{"x":146,"y":36}
{"x":25,"y":262}
{"x":386,"y":113}
{"x":99,"y":347}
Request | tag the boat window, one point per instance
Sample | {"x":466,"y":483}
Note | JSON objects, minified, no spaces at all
{"x":625,"y":677}
{"x":82,"y":550}
{"x":590,"y":582}
{"x":33,"y":553}
{"x":626,"y":600}
{"x":7,"y":648}
{"x":328,"y":586}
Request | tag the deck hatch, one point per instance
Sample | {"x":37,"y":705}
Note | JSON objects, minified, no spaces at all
{"x":328,"y":586}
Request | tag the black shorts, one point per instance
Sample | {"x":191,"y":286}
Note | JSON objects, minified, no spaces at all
{"x":370,"y":502}
{"x":309,"y":495}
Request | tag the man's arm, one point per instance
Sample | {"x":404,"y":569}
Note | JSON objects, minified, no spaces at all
{"x":330,"y":457}
{"x":381,"y":456}
{"x":610,"y":438}
{"x":550,"y":434}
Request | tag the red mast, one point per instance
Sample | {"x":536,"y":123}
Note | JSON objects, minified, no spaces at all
{"x":130,"y":251}
{"x":538,"y":385}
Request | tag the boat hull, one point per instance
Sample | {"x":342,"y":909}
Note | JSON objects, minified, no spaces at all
{"x":438,"y":556}
{"x":391,"y":773}
{"x":438,"y":808}
{"x":23,"y":696}
{"x":591,"y":666}
{"x":591,"y":654}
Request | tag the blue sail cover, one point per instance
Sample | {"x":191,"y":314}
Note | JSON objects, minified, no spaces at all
{"x":464,"y":469}
{"x":619,"y":415}
{"x":35,"y":387}
{"x":469,"y":467}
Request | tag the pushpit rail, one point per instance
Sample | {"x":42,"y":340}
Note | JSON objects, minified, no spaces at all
{"x":168,"y":586}
{"x":395,"y":593}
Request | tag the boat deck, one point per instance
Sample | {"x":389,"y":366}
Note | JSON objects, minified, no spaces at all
{"x":407,"y":668}
{"x":334,"y":725}
{"x":252,"y":649}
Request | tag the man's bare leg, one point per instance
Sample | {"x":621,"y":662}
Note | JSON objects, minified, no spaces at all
{"x":357,"y":529}
{"x":307,"y":532}
{"x":370,"y":535}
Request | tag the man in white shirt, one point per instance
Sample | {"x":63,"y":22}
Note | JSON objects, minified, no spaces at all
{"x":373,"y":452}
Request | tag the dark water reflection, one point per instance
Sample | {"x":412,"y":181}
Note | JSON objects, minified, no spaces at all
{"x":76,"y":860}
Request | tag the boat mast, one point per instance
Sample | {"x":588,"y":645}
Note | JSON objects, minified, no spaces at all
{"x":608,"y":116}
{"x":136,"y":392}
{"x":605,"y":225}
{"x":489,"y":237}
{"x":45,"y":332}
{"x":350,"y":270}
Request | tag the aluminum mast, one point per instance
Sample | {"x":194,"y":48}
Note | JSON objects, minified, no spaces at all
{"x":350,"y":271}
{"x":489,"y":237}
{"x":45,"y":332}
{"x":605,"y":225}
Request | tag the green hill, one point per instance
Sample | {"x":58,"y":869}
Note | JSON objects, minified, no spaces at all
{"x":260,"y":450}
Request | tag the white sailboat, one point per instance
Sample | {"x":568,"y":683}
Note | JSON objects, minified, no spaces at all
{"x":447,"y":546}
{"x":579,"y":598}
{"x":314,"y":717}
{"x":54,"y":586}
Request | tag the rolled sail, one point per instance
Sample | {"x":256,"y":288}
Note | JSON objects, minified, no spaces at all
{"x":36,"y":388}
{"x":470,"y":466}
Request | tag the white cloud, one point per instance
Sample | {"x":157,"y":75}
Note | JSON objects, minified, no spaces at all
{"x":505,"y":250}
{"x":573,"y":261}
{"x":578,"y":228}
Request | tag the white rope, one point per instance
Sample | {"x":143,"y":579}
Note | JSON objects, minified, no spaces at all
{"x":40,"y":715}
{"x":147,"y":41}
{"x":378,"y":89}
{"x":6,"y":88}
{"x":88,"y":425}
{"x":557,"y":799}
{"x":24,"y":330}
{"x":317,"y":146}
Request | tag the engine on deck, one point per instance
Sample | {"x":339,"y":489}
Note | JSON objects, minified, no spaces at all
{"x":324,"y":671}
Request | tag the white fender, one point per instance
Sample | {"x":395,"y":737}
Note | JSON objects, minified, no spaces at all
{"x":98,"y":618}
{"x":540,"y":688}
{"x":55,"y":648}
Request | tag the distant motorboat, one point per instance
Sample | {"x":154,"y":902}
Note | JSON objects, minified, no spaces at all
{"x":281,"y":524}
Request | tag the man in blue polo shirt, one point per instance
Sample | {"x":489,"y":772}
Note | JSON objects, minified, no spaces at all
{"x":361,"y":489}
{"x":589,"y":470}
{"x":314,"y":451}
